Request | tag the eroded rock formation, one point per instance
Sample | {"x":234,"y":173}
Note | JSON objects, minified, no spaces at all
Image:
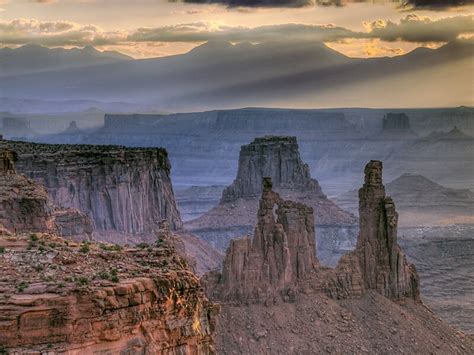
{"x":124,"y":190}
{"x":383,"y":264}
{"x":281,"y":252}
{"x":276,"y":157}
{"x":397,"y":126}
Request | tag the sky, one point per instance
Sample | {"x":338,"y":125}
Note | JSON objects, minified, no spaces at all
{"x":155,"y":28}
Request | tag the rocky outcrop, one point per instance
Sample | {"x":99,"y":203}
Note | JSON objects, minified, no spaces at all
{"x":396,"y":121}
{"x":397,"y":126}
{"x":23,"y":203}
{"x":383,"y":264}
{"x":124,"y":190}
{"x":281,"y":252}
{"x":69,"y":298}
{"x":72,"y":224}
{"x":276,"y":157}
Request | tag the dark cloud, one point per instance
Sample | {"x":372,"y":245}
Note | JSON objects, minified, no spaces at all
{"x":404,"y":4}
{"x":411,"y":28}
{"x":436,"y":4}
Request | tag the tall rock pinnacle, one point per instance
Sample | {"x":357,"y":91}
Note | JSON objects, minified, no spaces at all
{"x":281,"y":253}
{"x":383,"y":264}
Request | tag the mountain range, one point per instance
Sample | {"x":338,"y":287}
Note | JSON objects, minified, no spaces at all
{"x":32,"y":58}
{"x":301,"y":74}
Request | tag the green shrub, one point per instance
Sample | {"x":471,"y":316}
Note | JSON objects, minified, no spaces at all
{"x":22,"y":286}
{"x":84,"y":248}
{"x":2,"y":250}
{"x":114,"y":278}
{"x":82,"y":280}
{"x":104,"y":275}
{"x":143,"y":245}
{"x":33,"y":237}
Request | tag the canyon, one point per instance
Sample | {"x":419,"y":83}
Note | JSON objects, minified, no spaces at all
{"x":61,"y":296}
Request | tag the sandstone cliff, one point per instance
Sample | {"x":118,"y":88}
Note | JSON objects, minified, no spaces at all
{"x":124,"y":190}
{"x":59,"y":296}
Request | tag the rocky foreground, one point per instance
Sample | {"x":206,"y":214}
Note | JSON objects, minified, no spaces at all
{"x":277,"y":299}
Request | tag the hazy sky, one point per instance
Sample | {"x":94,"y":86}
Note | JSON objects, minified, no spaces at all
{"x":150,"y":28}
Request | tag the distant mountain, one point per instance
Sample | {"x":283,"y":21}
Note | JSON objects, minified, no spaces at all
{"x":421,"y":201}
{"x":453,"y":134}
{"x":278,"y":74}
{"x":33,"y":58}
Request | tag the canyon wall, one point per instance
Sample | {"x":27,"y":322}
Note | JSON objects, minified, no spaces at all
{"x":124,"y":190}
{"x":60,"y":296}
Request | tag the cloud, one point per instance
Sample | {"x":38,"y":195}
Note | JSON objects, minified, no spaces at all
{"x":414,"y":28}
{"x":411,"y":28}
{"x":56,"y":33}
{"x":206,"y":31}
{"x":404,"y":4}
{"x":435,"y":4}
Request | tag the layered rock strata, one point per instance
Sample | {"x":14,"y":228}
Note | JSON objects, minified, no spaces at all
{"x":59,"y":296}
{"x":124,"y":190}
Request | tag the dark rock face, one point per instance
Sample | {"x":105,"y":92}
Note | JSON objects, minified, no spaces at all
{"x":382,"y":263}
{"x":281,"y":253}
{"x":276,"y":157}
{"x":123,"y":190}
{"x":396,"y":121}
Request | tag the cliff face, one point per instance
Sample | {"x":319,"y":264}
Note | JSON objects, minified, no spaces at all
{"x":396,"y":126}
{"x":124,"y":190}
{"x":59,"y":296}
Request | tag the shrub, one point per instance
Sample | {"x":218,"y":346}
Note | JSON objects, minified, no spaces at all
{"x":82,"y":280}
{"x":33,"y":237}
{"x":2,"y":250}
{"x":143,"y":245}
{"x":104,"y":275}
{"x":114,"y":278}
{"x":22,"y":286}
{"x":84,"y":248}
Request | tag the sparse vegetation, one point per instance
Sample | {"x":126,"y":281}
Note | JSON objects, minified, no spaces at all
{"x":22,"y":286}
{"x":33,"y":237}
{"x":2,"y":250}
{"x":82,"y":281}
{"x":84,"y":248}
{"x":143,"y":245}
